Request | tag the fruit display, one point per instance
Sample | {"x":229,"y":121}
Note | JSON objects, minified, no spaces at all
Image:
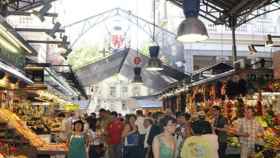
{"x":233,"y":142}
{"x":14,"y":122}
{"x":54,"y":147}
{"x":21,"y":128}
{"x":272,"y":142}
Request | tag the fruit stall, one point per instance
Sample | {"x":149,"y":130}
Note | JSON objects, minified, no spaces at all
{"x":232,"y":90}
{"x":17,"y":139}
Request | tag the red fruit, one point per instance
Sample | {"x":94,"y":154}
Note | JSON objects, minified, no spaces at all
{"x":13,"y":149}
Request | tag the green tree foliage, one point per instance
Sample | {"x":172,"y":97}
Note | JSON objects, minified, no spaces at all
{"x":85,"y":56}
{"x":145,"y":49}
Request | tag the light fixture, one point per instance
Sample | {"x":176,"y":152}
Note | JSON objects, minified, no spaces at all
{"x":16,"y":44}
{"x":68,"y":51}
{"x":64,"y":43}
{"x":43,"y":11}
{"x":55,"y":29}
{"x":268,"y":42}
{"x":252,"y":49}
{"x":137,"y":79}
{"x":4,"y":43}
{"x":191,"y":29}
{"x":154,"y":63}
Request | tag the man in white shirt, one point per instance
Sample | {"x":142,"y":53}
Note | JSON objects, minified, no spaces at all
{"x":141,"y":129}
{"x":148,"y":125}
{"x":66,"y":127}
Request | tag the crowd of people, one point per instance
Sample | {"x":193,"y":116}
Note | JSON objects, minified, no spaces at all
{"x":157,"y":135}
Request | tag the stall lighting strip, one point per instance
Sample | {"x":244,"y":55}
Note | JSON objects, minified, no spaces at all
{"x":15,"y":72}
{"x":270,"y":93}
{"x":8,"y":45}
{"x":68,"y":89}
{"x":12,"y":38}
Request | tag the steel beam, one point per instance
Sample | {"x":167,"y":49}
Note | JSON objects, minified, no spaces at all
{"x":37,"y":30}
{"x":46,"y":42}
{"x":20,"y":13}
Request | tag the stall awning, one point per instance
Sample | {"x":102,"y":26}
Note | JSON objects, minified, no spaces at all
{"x":147,"y":101}
{"x":14,"y":71}
{"x":149,"y":104}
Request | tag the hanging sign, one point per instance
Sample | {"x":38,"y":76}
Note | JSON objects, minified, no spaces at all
{"x":117,"y":41}
{"x":71,"y":107}
{"x":137,"y":60}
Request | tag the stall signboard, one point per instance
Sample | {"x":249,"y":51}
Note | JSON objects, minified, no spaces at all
{"x":71,"y":107}
{"x":276,"y":65}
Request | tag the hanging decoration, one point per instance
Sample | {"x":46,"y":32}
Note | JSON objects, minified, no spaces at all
{"x":137,"y":60}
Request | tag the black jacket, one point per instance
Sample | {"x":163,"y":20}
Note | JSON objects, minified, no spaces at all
{"x":155,"y":130}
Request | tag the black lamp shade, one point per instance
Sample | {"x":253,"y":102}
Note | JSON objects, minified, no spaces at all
{"x":154,"y":51}
{"x":191,"y":8}
{"x":191,"y":29}
{"x":154,"y":64}
{"x":137,"y":71}
{"x":137,"y":76}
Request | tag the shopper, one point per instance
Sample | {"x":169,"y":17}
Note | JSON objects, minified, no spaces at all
{"x":220,"y":128}
{"x":148,"y":125}
{"x":249,"y":131}
{"x":77,"y":141}
{"x":188,"y":129}
{"x":203,"y":143}
{"x":142,"y":131}
{"x":66,"y":127}
{"x":164,"y":145}
{"x":130,"y":136}
{"x":156,"y":128}
{"x":105,"y":119}
{"x":96,"y":147}
{"x":182,"y":131}
{"x":114,"y":132}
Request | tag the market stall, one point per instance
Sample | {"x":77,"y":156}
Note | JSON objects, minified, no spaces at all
{"x":233,"y":90}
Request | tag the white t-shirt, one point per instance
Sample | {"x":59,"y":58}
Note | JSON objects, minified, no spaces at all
{"x":140,"y":124}
{"x":96,"y":140}
{"x":146,"y":145}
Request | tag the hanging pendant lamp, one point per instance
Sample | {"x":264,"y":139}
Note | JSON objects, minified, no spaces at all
{"x":191,"y":29}
{"x":154,"y":63}
{"x":137,"y":79}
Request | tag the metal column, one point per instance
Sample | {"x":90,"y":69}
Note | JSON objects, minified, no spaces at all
{"x":233,"y":30}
